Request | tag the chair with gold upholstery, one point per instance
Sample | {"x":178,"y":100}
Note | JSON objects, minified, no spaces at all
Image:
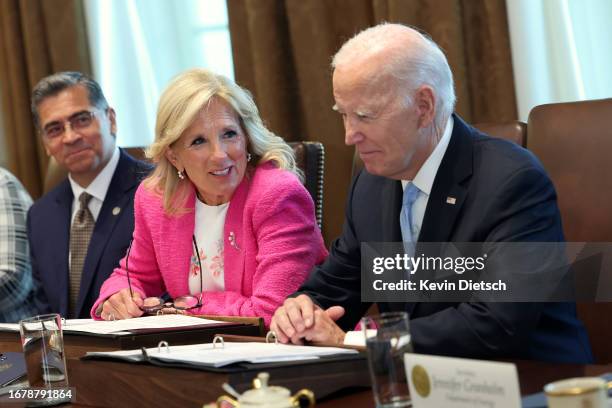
{"x":573,"y":141}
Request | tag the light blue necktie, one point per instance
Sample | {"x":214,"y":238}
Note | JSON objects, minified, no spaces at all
{"x":411,"y":192}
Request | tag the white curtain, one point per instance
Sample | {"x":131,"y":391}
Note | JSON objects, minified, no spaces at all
{"x":137,"y":46}
{"x":560,"y":50}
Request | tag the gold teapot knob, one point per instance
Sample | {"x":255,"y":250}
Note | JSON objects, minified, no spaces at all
{"x":303,"y":394}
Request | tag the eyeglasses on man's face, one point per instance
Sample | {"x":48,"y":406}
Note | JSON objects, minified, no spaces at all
{"x":78,"y":121}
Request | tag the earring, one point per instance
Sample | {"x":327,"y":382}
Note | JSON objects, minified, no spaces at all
{"x":249,"y":157}
{"x":180,"y":174}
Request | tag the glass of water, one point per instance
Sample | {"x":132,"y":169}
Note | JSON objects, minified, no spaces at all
{"x":387,"y":340}
{"x":43,"y":351}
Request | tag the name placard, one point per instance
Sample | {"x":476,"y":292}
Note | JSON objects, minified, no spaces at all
{"x":456,"y":382}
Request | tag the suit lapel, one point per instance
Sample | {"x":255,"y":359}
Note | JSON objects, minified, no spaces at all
{"x":448,"y":192}
{"x":391,"y":196}
{"x":449,"y":189}
{"x":62,"y":217}
{"x":177,"y":248}
{"x":115,"y":203}
{"x":233,"y":239}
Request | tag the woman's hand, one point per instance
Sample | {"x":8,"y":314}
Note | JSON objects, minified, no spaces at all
{"x":122,"y":306}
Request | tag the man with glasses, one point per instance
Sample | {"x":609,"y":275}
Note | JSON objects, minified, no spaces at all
{"x":79,"y":230}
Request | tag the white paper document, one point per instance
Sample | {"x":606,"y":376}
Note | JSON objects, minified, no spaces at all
{"x":9,"y":327}
{"x":14,"y":327}
{"x":118,"y":327}
{"x":147,"y":322}
{"x":210,"y":356}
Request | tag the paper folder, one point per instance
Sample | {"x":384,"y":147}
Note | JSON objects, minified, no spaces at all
{"x":230,"y":356}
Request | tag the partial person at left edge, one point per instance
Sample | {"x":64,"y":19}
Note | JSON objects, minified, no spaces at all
{"x":80,"y":230}
{"x":15,"y":272}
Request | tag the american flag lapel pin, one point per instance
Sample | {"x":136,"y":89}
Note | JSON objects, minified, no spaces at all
{"x":451,"y":200}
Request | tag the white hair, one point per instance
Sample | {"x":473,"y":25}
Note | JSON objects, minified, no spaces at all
{"x":410,"y":57}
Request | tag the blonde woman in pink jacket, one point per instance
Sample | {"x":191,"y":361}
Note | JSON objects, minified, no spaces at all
{"x":223,"y":225}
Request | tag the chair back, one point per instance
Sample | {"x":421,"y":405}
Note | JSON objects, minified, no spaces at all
{"x":310,"y":158}
{"x":574,"y":140}
{"x":515,"y":131}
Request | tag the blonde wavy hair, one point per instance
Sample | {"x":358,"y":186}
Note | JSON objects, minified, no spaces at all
{"x":180,"y":103}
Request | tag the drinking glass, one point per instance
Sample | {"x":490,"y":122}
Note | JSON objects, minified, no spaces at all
{"x":387,"y":340}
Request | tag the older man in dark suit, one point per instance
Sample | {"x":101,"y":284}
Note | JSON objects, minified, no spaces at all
{"x":80,"y":229}
{"x":430,"y":177}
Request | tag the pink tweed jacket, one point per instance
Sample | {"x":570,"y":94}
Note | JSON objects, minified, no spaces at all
{"x":275,"y":243}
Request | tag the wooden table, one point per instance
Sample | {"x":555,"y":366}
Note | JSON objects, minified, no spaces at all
{"x":139,"y":385}
{"x":115,"y":384}
{"x":146,"y":385}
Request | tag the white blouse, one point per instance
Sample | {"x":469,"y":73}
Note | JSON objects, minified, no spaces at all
{"x":209,"y":223}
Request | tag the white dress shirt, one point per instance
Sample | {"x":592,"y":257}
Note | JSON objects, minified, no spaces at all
{"x":97,"y":189}
{"x":424,"y":179}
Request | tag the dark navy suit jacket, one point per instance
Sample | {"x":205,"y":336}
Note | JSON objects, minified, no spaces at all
{"x":49,"y":236}
{"x":502,"y":195}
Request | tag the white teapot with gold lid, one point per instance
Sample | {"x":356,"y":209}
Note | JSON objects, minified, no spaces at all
{"x":263,"y":395}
